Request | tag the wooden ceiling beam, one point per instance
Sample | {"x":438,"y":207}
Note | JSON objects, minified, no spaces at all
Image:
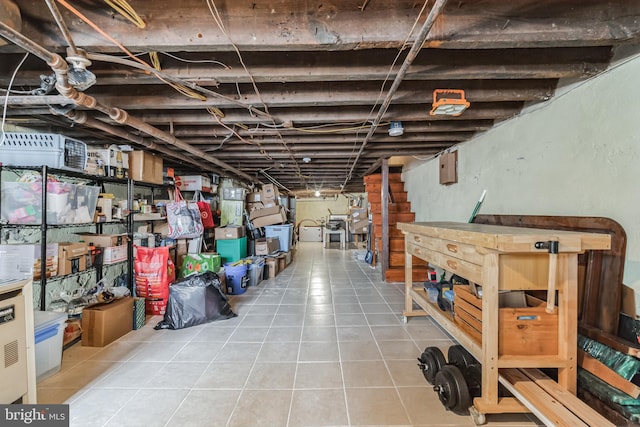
{"x":315,"y":25}
{"x":322,"y":115}
{"x":333,"y":139}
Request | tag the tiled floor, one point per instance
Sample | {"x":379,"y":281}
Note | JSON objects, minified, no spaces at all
{"x":322,"y":344}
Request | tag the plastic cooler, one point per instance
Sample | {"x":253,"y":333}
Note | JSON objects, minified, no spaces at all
{"x":284,"y":233}
{"x":49,"y":334}
{"x":256,"y":270}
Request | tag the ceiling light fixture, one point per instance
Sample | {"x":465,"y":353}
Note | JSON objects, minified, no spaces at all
{"x":449,"y":102}
{"x":306,"y":159}
{"x":317,"y":193}
{"x":396,"y":129}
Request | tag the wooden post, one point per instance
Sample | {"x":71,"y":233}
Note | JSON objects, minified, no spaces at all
{"x":384,"y":256}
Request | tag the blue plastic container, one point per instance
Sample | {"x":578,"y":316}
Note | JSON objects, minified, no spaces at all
{"x":237,"y":278}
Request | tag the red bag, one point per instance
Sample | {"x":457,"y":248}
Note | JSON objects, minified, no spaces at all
{"x":154,"y":273}
{"x":205,"y":210}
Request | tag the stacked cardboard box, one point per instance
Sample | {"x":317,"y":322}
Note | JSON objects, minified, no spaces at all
{"x":267,"y":245}
{"x":72,"y":257}
{"x":358,"y":220}
{"x":267,"y":211}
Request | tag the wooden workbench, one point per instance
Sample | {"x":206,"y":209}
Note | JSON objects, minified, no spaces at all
{"x":500,"y":259}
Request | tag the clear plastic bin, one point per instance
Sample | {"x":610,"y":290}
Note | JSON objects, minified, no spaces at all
{"x":284,"y":233}
{"x":66,"y":203}
{"x":256,"y":270}
{"x":49,"y":334}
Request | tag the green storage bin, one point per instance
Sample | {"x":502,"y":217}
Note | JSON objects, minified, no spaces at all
{"x":232,"y":250}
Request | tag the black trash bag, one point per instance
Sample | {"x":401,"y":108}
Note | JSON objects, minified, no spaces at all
{"x":194,"y":300}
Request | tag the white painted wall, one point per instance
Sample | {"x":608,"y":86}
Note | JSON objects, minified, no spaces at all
{"x":309,"y":210}
{"x":577,"y":155}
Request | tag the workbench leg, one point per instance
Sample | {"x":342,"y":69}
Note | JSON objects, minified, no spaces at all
{"x":408,"y":281}
{"x":490,"y":329}
{"x":568,"y":319}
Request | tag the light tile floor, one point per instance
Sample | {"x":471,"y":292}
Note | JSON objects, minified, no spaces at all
{"x":322,"y":344}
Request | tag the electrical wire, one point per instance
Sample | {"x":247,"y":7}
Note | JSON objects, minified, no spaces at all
{"x":196,"y":61}
{"x":124,"y":9}
{"x":19,"y":92}
{"x":180,"y":88}
{"x":386,"y":79}
{"x":6,"y":98}
{"x":218,"y":20}
{"x":177,"y":86}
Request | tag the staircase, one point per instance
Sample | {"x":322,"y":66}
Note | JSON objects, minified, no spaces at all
{"x":399,"y":211}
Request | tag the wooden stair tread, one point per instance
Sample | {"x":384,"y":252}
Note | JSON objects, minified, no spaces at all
{"x":377,"y":178}
{"x":376,"y":197}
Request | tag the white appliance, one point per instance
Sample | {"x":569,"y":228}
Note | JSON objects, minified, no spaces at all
{"x":17,"y":366}
{"x":310,"y":234}
{"x":37,"y":149}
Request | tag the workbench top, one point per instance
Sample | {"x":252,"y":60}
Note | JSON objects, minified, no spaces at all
{"x":507,"y":239}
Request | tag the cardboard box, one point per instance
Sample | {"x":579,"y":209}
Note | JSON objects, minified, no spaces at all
{"x":193,"y":183}
{"x":114,"y":254}
{"x":269,"y":192}
{"x":104,"y":323}
{"x":271,"y":264}
{"x":145,"y":167}
{"x":273,"y":219}
{"x":52,"y":260}
{"x":254,"y":197}
{"x":110,"y":161}
{"x":103,"y":240}
{"x":72,"y":257}
{"x":358,"y":227}
{"x":229,"y":232}
{"x":267,"y":245}
{"x":358,"y":214}
{"x":264,"y":212}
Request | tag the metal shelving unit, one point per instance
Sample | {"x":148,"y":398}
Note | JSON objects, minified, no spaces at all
{"x":44,"y":226}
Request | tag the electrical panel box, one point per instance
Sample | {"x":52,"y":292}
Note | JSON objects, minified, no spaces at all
{"x":449,"y":168}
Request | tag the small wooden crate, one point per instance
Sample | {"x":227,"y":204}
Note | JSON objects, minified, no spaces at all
{"x":521,"y":331}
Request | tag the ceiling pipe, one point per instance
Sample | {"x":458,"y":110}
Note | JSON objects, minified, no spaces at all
{"x":83,"y":118}
{"x":60,"y":68}
{"x":417,"y":45}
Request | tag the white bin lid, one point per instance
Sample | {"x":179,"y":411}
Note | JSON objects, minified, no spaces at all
{"x":44,"y":319}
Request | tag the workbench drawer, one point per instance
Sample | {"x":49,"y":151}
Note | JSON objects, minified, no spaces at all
{"x":529,"y":331}
{"x":455,"y":249}
{"x":468,"y":270}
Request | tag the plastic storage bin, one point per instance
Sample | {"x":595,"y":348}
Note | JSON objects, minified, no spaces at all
{"x":256,"y":270}
{"x":237,"y":278}
{"x":232,"y":250}
{"x":49,"y":334}
{"x":66,"y":203}
{"x":283,"y":232}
